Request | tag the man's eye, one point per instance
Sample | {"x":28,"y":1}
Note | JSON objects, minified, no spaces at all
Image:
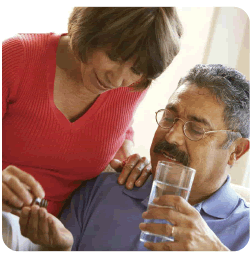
{"x":197,"y":132}
{"x":169,"y":120}
{"x":195,"y":129}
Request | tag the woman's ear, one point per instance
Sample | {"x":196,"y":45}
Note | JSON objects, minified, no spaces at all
{"x":241,"y":147}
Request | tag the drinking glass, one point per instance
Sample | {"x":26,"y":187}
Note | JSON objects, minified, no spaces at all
{"x":170,"y":179}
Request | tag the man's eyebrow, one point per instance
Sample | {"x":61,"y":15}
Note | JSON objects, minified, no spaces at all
{"x":171,"y":107}
{"x":198,"y":119}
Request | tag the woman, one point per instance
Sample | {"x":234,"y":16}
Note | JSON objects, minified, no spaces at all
{"x":68,"y":100}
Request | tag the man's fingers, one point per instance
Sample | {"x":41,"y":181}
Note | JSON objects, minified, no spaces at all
{"x":166,"y":246}
{"x":157,"y":228}
{"x":177,"y":202}
{"x":168,"y":214}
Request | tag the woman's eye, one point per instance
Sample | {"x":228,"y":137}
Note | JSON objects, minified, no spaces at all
{"x":113,"y":57}
{"x":136,"y":71}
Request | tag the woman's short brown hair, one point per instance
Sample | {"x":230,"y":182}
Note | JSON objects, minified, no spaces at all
{"x":152,"y":34}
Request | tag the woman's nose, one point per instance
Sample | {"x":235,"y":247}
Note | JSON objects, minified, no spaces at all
{"x":120,"y":75}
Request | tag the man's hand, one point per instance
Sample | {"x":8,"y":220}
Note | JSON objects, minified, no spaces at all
{"x":18,"y":189}
{"x":191,"y":233}
{"x":45,"y":229}
{"x":134,"y":170}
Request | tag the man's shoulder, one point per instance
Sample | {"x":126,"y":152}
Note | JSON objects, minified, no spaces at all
{"x":104,"y":181}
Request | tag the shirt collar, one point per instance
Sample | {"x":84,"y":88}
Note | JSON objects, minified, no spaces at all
{"x":222,"y":203}
{"x":141,"y":193}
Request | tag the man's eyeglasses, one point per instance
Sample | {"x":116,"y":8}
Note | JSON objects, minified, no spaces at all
{"x":192,"y":130}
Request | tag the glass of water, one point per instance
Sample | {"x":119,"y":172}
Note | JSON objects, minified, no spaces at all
{"x":170,"y":179}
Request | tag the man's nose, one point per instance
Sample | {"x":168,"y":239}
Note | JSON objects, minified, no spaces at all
{"x":175,"y":134}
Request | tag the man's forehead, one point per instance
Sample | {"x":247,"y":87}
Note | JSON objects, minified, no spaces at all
{"x":193,"y":93}
{"x":196,"y":103}
{"x":192,"y":89}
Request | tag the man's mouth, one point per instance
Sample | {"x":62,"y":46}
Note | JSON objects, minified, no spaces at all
{"x":167,"y":156}
{"x":171,"y":153}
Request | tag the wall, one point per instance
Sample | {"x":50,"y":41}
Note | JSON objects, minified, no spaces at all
{"x":196,"y":23}
{"x":211,"y":35}
{"x":229,"y":45}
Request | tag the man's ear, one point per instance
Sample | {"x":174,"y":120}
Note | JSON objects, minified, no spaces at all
{"x":240,"y":148}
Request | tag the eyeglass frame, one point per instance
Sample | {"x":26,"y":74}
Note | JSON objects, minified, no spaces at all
{"x":185,"y":122}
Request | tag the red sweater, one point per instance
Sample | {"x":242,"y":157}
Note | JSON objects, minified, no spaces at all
{"x":38,"y":138}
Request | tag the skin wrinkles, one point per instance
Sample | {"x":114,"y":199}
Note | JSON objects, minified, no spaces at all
{"x":210,"y":175}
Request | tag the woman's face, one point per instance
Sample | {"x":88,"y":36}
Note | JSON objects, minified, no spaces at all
{"x":100,"y":73}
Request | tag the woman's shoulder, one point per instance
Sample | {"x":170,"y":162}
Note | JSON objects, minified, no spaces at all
{"x":30,"y":41}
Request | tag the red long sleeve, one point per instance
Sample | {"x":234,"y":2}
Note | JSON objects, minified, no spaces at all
{"x":38,"y":138}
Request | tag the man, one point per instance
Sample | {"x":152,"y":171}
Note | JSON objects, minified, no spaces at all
{"x":205,"y":126}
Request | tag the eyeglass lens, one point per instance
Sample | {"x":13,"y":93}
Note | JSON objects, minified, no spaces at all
{"x":192,"y":130}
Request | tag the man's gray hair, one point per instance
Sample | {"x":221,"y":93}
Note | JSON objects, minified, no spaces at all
{"x":229,"y":86}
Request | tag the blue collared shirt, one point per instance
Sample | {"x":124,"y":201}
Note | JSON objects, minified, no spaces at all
{"x":105,"y":216}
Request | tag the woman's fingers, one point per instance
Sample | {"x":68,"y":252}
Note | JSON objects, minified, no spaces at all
{"x":116,"y":165}
{"x":137,"y":172}
{"x":24,"y":220}
{"x":10,"y":199}
{"x":13,"y":176}
{"x":146,"y":172}
{"x":43,"y":227}
{"x":33,"y":222}
{"x":14,"y":191}
{"x":18,"y":189}
{"x":128,"y":167}
{"x":28,"y":180}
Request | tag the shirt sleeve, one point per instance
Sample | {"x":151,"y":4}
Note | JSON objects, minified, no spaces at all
{"x":73,"y":214}
{"x":12,"y":67}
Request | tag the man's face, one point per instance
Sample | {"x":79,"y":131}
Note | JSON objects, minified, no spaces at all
{"x":206,"y":156}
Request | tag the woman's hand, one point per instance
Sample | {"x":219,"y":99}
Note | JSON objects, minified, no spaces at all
{"x":18,"y":189}
{"x":125,"y":150}
{"x":44,"y":229}
{"x":134,"y":170}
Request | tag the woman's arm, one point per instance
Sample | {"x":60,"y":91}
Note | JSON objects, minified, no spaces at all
{"x":125,"y":150}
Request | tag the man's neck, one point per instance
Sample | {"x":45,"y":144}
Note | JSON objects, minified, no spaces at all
{"x":203,"y":192}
